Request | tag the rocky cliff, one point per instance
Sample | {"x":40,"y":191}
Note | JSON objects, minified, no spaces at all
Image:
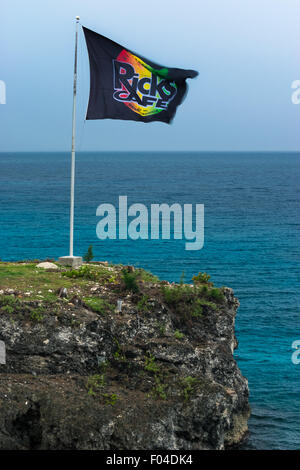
{"x":80,"y":373}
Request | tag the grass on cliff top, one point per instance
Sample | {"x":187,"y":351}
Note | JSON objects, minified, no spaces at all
{"x":37,"y":281}
{"x":26,"y":277}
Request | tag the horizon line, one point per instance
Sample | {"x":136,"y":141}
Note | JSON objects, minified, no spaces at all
{"x":150,"y":151}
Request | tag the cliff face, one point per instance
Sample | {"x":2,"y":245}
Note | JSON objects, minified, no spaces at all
{"x":80,"y":375}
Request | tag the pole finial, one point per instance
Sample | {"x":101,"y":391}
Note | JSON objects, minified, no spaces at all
{"x":77,"y":18}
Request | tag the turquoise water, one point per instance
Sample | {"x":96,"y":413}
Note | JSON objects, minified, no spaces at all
{"x":252,"y":226}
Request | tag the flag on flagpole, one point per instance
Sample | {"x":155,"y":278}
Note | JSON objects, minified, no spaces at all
{"x":126,"y":86}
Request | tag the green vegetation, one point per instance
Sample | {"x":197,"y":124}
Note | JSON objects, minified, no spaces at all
{"x":13,"y":305}
{"x":146,"y":276}
{"x":178,"y":334}
{"x":206,"y":287}
{"x":161,"y":328}
{"x":197,"y":307}
{"x":14,"y":272}
{"x":95,"y":383}
{"x":177,"y":293}
{"x":85,"y":272}
{"x":89,"y":254}
{"x":159,"y":390}
{"x":98,"y":305}
{"x":94,"y":273}
{"x":201,"y":278}
{"x":142,"y":304}
{"x":193,"y":301}
{"x":112,"y":279}
{"x":217,"y":294}
{"x":38,"y":284}
{"x":130,"y":280}
{"x":37,"y":292}
{"x":27,"y":278}
{"x":118,"y":354}
{"x":150,"y":364}
{"x":9,"y":303}
{"x":110,"y":399}
{"x":204,"y":290}
{"x":188,"y":387}
{"x":8,"y":309}
{"x":37,"y":315}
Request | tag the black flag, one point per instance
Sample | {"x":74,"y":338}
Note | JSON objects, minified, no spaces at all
{"x":127,"y":86}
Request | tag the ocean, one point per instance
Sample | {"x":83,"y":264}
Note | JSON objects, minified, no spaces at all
{"x":252,"y":226}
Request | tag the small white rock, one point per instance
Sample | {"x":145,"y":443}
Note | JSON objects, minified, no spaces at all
{"x":47,"y":265}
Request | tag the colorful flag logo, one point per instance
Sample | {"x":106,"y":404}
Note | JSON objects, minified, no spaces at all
{"x":126,"y":86}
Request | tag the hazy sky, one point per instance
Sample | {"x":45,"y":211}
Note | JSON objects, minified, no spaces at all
{"x":246,"y":52}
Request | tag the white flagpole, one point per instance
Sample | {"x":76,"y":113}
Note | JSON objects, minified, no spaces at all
{"x":73,"y":144}
{"x":72,"y":260}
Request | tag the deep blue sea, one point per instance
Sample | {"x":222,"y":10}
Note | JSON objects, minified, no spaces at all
{"x":252,"y":228}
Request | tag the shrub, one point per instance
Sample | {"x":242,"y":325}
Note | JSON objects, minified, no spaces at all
{"x":8,"y":309}
{"x":118,"y":354}
{"x":95,"y":383}
{"x":130,"y":280}
{"x":178,"y":334}
{"x":216,"y":294}
{"x":37,"y":315}
{"x":142,"y":304}
{"x":110,"y":399}
{"x":177,"y":293}
{"x":158,"y":390}
{"x":86,"y":272}
{"x":89,"y":254}
{"x":150,"y":364}
{"x":201,"y":278}
{"x":197,"y":308}
{"x":204,"y":290}
{"x":9,"y":303}
{"x":188,"y":387}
